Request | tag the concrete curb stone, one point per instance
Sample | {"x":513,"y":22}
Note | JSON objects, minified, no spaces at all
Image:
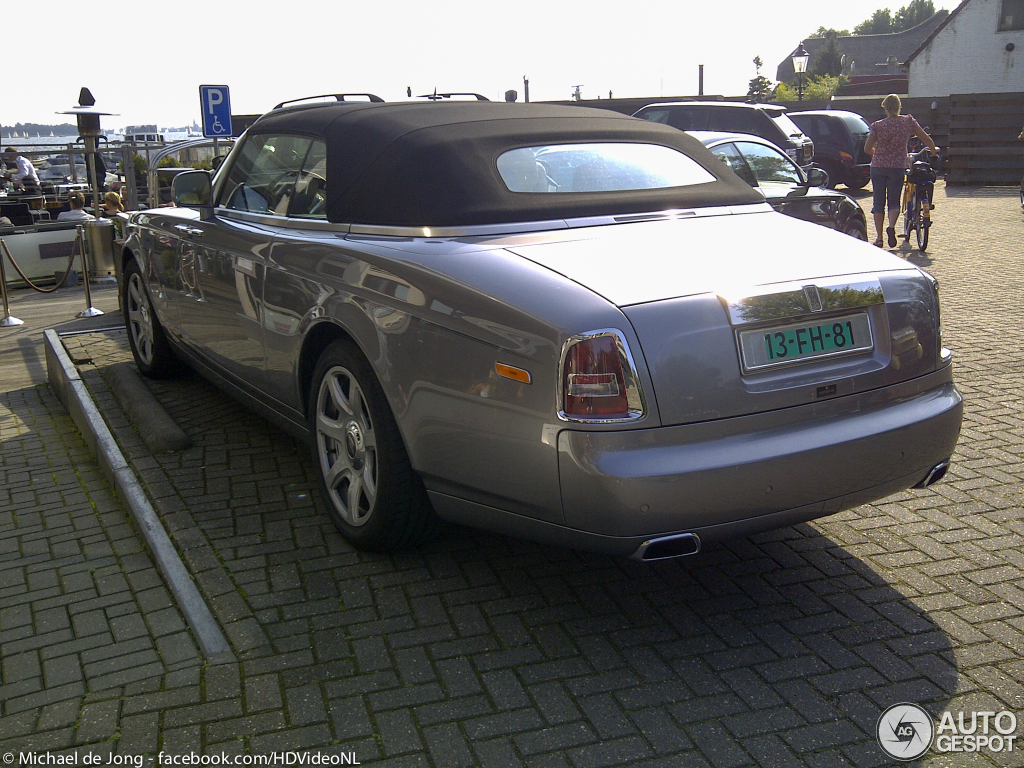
{"x":72,"y":392}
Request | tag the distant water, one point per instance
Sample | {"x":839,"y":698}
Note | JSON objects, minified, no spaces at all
{"x":34,"y":141}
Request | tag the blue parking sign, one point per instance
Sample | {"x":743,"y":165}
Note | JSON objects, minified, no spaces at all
{"x":215,"y":101}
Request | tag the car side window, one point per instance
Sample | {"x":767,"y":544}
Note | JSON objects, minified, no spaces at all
{"x":769,"y":165}
{"x":310,"y":197}
{"x":731,"y":157}
{"x":737,"y":121}
{"x":265,"y":175}
{"x":656,"y":116}
{"x":689,"y":119}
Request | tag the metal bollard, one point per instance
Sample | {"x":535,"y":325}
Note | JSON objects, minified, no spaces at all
{"x":90,"y":310}
{"x":9,"y":320}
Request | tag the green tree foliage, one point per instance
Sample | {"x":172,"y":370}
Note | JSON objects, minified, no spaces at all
{"x":883,"y":21}
{"x":784,"y":92}
{"x":829,"y":60}
{"x":823,"y":32}
{"x":912,"y":14}
{"x":880,"y":23}
{"x":822,"y":87}
{"x":816,"y":88}
{"x":760,"y":88}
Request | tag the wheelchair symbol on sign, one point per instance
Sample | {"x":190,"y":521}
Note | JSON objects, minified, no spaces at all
{"x":218,"y":126}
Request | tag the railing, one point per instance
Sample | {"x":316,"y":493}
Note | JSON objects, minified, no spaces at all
{"x":133,"y":195}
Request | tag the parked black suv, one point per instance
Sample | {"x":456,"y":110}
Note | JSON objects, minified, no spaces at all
{"x":768,"y":121}
{"x":838,"y":144}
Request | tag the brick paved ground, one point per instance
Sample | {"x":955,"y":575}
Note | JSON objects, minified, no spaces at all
{"x":780,"y":650}
{"x":86,"y":624}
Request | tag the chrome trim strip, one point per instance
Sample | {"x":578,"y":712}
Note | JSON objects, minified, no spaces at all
{"x":635,"y":400}
{"x":553,"y":224}
{"x":283,"y":222}
{"x":786,"y":300}
{"x":480,"y":229}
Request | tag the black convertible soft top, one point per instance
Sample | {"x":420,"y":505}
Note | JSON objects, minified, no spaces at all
{"x":435,"y":164}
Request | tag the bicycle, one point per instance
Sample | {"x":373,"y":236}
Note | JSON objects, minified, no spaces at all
{"x":918,"y":194}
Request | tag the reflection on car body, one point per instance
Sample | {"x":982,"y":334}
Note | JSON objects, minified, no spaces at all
{"x":558,"y":323}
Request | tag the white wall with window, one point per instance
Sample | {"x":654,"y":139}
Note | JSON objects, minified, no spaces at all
{"x":979,"y":50}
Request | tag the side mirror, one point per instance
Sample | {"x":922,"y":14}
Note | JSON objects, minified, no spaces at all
{"x":191,"y":189}
{"x":217,"y":162}
{"x":817,"y":177}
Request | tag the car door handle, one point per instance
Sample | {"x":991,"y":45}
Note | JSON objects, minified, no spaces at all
{"x":185,"y":229}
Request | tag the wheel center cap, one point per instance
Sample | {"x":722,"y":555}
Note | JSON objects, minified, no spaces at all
{"x":354,"y":444}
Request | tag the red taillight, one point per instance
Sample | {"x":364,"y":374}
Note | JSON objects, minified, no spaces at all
{"x":846,"y":157}
{"x":592,"y":380}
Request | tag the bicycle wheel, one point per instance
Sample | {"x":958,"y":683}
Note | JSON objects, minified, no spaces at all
{"x":924,"y":222}
{"x":910,"y":215}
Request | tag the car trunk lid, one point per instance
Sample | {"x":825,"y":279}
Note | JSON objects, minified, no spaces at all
{"x":720,"y":252}
{"x":840,"y":317}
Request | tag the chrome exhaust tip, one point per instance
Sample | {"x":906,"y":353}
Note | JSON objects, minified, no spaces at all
{"x":668,"y":547}
{"x":935,"y":474}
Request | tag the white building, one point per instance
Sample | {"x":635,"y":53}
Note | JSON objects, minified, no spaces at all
{"x":979,"y":48}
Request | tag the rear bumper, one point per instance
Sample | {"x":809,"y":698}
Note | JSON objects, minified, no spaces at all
{"x":741,"y":475}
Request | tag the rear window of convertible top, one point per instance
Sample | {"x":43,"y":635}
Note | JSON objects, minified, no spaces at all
{"x":599,"y":167}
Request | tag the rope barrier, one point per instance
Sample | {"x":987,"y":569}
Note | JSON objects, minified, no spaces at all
{"x":79,"y":246}
{"x":64,"y":277}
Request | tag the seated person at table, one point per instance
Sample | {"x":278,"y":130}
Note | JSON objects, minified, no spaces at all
{"x":111,"y":205}
{"x":77,"y":202}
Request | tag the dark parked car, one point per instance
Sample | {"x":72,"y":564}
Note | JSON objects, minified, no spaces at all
{"x":765,"y":120}
{"x":785,"y":186}
{"x":630,"y":352}
{"x":838,"y":144}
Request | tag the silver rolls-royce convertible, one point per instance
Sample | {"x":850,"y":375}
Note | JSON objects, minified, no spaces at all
{"x":553,"y":322}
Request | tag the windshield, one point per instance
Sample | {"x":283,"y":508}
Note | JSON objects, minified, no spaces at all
{"x":607,"y":167}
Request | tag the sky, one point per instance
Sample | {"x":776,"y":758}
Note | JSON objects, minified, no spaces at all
{"x":267,"y":53}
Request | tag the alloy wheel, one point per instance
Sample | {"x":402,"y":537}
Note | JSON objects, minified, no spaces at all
{"x":140,"y":319}
{"x":346,"y":446}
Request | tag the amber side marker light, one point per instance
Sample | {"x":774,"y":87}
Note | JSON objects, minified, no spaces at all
{"x":511,"y":372}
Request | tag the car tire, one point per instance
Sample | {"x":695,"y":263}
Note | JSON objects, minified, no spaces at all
{"x":856,"y":183}
{"x":833,"y":171}
{"x":373,"y":496}
{"x":857,"y":230}
{"x":150,"y":348}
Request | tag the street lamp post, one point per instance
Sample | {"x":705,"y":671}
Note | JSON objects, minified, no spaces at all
{"x":800,"y":57}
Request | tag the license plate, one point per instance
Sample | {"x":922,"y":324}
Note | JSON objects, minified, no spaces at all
{"x":782,"y":344}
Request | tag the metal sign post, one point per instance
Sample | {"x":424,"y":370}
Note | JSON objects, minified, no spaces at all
{"x":9,"y":320}
{"x":215,"y":104}
{"x":90,"y":310}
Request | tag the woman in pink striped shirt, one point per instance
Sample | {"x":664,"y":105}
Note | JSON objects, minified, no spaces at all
{"x":887,"y":144}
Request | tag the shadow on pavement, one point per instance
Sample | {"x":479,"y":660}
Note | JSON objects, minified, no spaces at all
{"x":783,"y":644}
